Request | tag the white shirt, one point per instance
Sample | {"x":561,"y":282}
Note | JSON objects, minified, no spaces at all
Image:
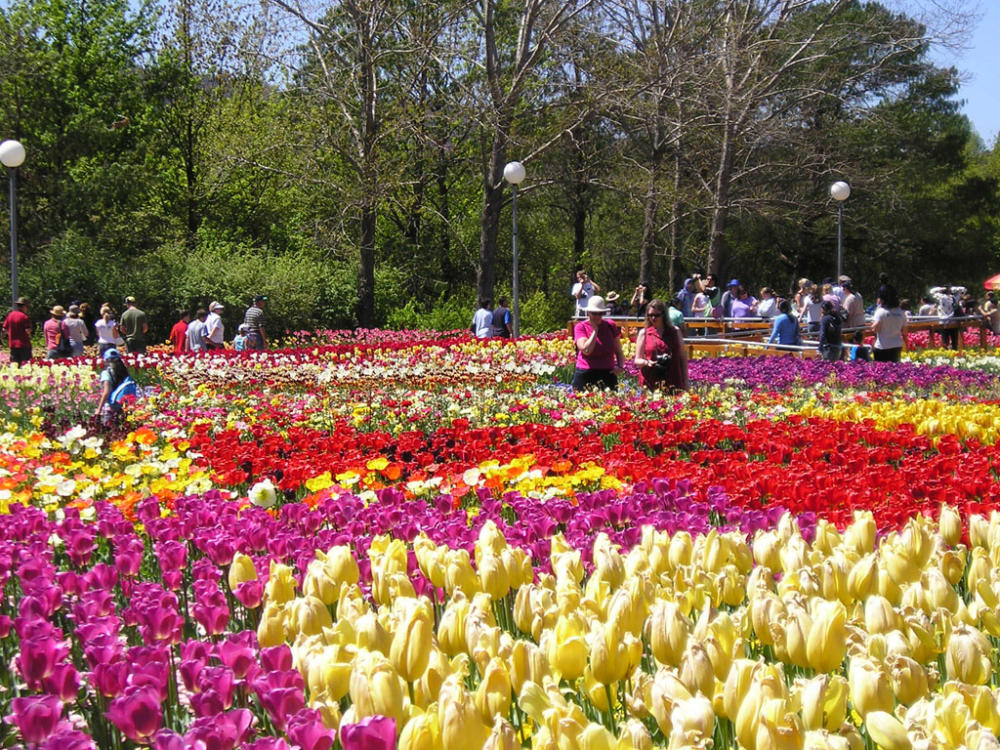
{"x":482,"y":323}
{"x":767,"y":308}
{"x":194,"y":335}
{"x":214,"y":328}
{"x":586,"y":291}
{"x":890,"y":326}
{"x":105,"y":331}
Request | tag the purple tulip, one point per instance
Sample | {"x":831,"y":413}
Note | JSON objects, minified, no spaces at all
{"x":281,"y":703}
{"x":222,"y":731}
{"x":306,"y":729}
{"x":371,"y":733}
{"x":35,"y":716}
{"x":172,"y":555}
{"x":268,"y":743}
{"x":239,"y":653}
{"x":109,"y":679}
{"x":68,"y":739}
{"x":250,"y":593}
{"x":63,"y":682}
{"x":137,"y":713}
{"x":38,"y":658}
{"x":167,"y":739}
{"x":276,"y":658}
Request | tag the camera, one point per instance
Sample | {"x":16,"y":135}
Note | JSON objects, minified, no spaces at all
{"x":662,"y":362}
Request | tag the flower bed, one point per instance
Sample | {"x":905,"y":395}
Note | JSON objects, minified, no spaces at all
{"x":425,"y":541}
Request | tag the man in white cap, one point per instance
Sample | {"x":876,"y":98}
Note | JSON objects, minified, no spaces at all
{"x":214,"y":328}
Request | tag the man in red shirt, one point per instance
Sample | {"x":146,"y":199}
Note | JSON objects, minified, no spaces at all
{"x":17,"y":329}
{"x":178,"y":334}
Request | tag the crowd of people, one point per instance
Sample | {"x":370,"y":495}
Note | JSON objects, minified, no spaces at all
{"x":68,"y":331}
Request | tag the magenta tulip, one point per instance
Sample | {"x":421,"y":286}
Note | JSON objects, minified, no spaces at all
{"x":35,"y":716}
{"x":306,"y":729}
{"x":38,"y":659}
{"x":371,"y":733}
{"x":137,"y":713}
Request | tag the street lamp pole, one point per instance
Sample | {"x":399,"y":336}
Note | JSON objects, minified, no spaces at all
{"x":514,"y":173}
{"x":840,"y":191}
{"x":12,"y":157}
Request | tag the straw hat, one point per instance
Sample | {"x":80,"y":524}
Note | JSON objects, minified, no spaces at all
{"x":596,"y":305}
{"x":58,"y":312}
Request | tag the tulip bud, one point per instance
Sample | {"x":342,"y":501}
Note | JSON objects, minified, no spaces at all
{"x":692,"y":722}
{"x":412,"y":640}
{"x":280,"y":584}
{"x":979,"y":532}
{"x":459,"y":575}
{"x":769,"y":684}
{"x":451,"y":629}
{"x":862,"y":580}
{"x":953,"y":565}
{"x":502,"y":736}
{"x":493,"y":578}
{"x":764,"y":610}
{"x":375,"y":687}
{"x":967,"y":658}
{"x":241,"y":570}
{"x":421,"y":733}
{"x":870,"y":688}
{"x":887,"y":731}
{"x":860,"y":535}
{"x":527,"y":664}
{"x":779,"y":728}
{"x":827,"y":642}
{"x":821,"y":739}
{"x":666,"y":691}
{"x":461,"y":726}
{"x":328,"y":672}
{"x":880,"y":617}
{"x":492,"y":697}
{"x":613,"y":655}
{"x":950,"y":526}
{"x":318,"y":584}
{"x":668,"y":633}
{"x":737,"y":685}
{"x":681,"y":550}
{"x":271,"y":629}
{"x":824,"y":702}
{"x":696,"y":670}
{"x":908,"y":679}
{"x":766,"y":547}
{"x":567,"y":647}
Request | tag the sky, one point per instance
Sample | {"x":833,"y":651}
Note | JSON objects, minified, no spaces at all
{"x":980,"y":64}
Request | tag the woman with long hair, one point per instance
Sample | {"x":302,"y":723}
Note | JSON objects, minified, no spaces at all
{"x":660,"y":353}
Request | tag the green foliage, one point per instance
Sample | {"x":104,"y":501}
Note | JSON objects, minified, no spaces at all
{"x":445,"y":314}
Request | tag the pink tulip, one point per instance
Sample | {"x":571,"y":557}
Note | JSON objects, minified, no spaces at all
{"x":250,"y":593}
{"x":281,"y":703}
{"x":63,"y":682}
{"x":306,"y":729}
{"x":276,"y":658}
{"x":239,"y":652}
{"x":102,"y":577}
{"x":38,"y":659}
{"x":68,"y":739}
{"x":109,"y":679}
{"x":36,"y":716}
{"x":223,"y":731}
{"x":371,"y":733}
{"x":137,"y":713}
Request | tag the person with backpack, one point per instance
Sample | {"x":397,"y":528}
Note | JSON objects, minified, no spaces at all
{"x":117,"y":387}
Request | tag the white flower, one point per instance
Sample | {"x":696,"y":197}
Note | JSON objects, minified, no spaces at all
{"x":263,"y":494}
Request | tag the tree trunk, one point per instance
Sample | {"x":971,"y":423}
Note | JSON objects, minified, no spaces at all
{"x":720,"y":213}
{"x":366,"y":268}
{"x":648,"y":247}
{"x":486,"y":272}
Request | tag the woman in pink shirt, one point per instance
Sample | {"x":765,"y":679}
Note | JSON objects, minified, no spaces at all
{"x":599,"y":356}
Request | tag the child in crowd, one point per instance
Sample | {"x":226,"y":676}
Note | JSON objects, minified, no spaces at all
{"x":240,"y":340}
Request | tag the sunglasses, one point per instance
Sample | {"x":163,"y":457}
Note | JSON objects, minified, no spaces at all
{"x":654,"y":315}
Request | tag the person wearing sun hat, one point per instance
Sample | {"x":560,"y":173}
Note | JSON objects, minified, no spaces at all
{"x":116,"y":386}
{"x":214,"y":328}
{"x":17,"y":329}
{"x":599,"y":356}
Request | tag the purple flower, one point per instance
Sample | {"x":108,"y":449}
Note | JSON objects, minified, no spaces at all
{"x":36,"y":716}
{"x":371,"y":733}
{"x":306,"y":729}
{"x":137,"y":713}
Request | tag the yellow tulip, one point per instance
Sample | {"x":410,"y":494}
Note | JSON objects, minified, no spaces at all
{"x":821,"y":739}
{"x":459,"y":575}
{"x":680,"y":550}
{"x":280,"y":584}
{"x":778,"y":727}
{"x":451,"y":628}
{"x":493,"y":577}
{"x":826,"y":645}
{"x":967,"y":658}
{"x":318,"y":584}
{"x":376,"y":689}
{"x":737,"y":685}
{"x":880,"y":616}
{"x":502,"y":736}
{"x":824,"y":702}
{"x":340,"y":565}
{"x":421,"y":732}
{"x":566,"y":646}
{"x":613,"y":655}
{"x":870,"y":688}
{"x":439,"y":668}
{"x":527,"y":663}
{"x":860,"y":535}
{"x":696,"y":671}
{"x":766,"y":547}
{"x":241,"y":570}
{"x":412,"y":640}
{"x":271,"y":629}
{"x":493,"y":695}
{"x":665,"y":692}
{"x":668,"y":632}
{"x":950,"y":526}
{"x":862,"y":580}
{"x":328,"y":672}
{"x":887,"y":731}
{"x":634,"y":736}
{"x":908,"y":679}
{"x":692,"y":722}
{"x":461,"y":726}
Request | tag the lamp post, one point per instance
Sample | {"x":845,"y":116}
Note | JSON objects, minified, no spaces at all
{"x":514,"y":173}
{"x":12,"y":156}
{"x":840,"y":191}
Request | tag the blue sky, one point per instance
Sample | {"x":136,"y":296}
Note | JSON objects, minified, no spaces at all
{"x":981,"y":64}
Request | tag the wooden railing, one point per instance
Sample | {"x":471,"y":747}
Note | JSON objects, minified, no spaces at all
{"x":747,"y":336}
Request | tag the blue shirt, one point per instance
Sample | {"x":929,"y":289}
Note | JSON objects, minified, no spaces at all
{"x":785,"y":330}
